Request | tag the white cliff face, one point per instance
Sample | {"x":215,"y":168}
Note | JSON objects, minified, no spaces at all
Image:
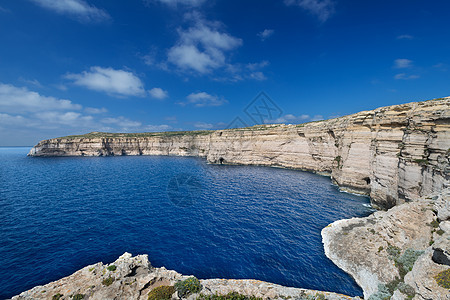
{"x":394,"y":154}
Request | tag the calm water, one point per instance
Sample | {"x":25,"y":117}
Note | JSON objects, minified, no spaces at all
{"x":58,"y":215}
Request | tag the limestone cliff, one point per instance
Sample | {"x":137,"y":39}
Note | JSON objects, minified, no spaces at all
{"x":395,"y":154}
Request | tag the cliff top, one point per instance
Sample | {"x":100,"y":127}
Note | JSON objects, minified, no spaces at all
{"x":97,"y":134}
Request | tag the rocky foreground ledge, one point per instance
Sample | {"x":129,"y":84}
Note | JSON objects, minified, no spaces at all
{"x":134,"y":278}
{"x":403,"y":253}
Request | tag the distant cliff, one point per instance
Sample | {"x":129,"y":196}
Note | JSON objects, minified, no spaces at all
{"x":394,"y":154}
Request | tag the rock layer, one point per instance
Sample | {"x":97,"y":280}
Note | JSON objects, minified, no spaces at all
{"x":395,"y":154}
{"x":133,"y":278}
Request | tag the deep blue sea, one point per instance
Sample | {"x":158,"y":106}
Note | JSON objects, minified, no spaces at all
{"x":58,"y":215}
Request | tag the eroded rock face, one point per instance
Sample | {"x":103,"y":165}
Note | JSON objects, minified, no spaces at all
{"x":394,"y":250}
{"x":134,"y":277}
{"x":395,"y":154}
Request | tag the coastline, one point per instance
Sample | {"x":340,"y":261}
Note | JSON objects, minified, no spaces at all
{"x":399,"y":155}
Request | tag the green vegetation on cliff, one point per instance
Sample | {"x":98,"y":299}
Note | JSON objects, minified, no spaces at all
{"x":164,"y":292}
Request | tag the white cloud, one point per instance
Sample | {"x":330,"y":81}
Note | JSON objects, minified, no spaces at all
{"x":292,"y":119}
{"x":158,"y":93}
{"x":95,"y":111}
{"x":10,"y":120}
{"x":64,"y":118}
{"x":404,"y":76}
{"x":157,"y":128}
{"x":258,"y":76}
{"x":256,"y":66}
{"x":202,"y":47}
{"x":26,"y":117}
{"x":111,"y":81}
{"x":175,"y":3}
{"x":405,"y":37}
{"x":203,"y":99}
{"x":265,"y":34}
{"x":322,"y":9}
{"x":121,"y":122}
{"x":18,"y":100}
{"x":403,"y":63}
{"x":203,"y":125}
{"x":79,"y":9}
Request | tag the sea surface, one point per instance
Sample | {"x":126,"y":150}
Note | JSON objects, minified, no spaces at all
{"x":58,"y":215}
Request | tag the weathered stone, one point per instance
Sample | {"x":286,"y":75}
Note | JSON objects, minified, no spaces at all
{"x":376,"y":250}
{"x":134,"y":278}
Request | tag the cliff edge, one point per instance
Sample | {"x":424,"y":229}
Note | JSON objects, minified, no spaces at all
{"x":394,"y":154}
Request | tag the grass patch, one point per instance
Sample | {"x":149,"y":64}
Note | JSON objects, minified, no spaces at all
{"x":112,"y":268}
{"x":164,"y":292}
{"x":434,"y":224}
{"x":229,"y":296}
{"x":443,"y":279}
{"x":78,"y":297}
{"x":57,"y":296}
{"x":421,"y":162}
{"x":108,"y":281}
{"x":189,"y":286}
{"x":404,"y":264}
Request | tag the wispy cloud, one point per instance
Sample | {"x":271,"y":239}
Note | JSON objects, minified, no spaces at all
{"x":111,"y":81}
{"x":4,"y":10}
{"x":405,"y":37}
{"x":176,"y":3}
{"x":292,"y":119}
{"x":203,"y":99}
{"x":95,"y":111}
{"x":265,"y":34}
{"x":403,"y":63}
{"x":203,"y":125}
{"x":78,"y":9}
{"x":32,"y":82}
{"x":202,"y":47}
{"x":158,"y":93}
{"x":27,"y":116}
{"x":322,"y":9}
{"x":441,"y":67}
{"x":19,"y":99}
{"x":404,"y":76}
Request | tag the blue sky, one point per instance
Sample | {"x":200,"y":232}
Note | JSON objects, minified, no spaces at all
{"x":75,"y":66}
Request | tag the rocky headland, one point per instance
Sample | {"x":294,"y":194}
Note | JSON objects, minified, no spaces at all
{"x":398,"y":155}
